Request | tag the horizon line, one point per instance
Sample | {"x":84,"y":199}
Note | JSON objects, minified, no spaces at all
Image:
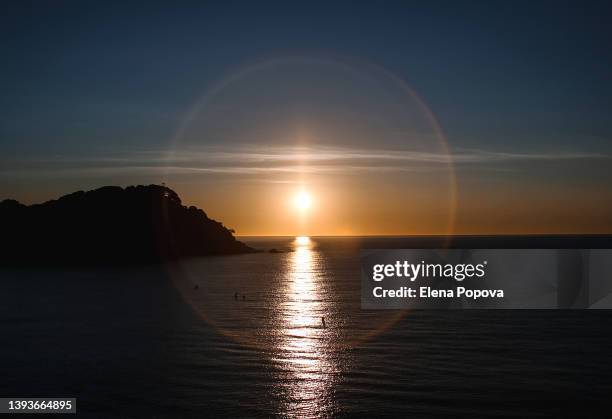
{"x":427,"y":235}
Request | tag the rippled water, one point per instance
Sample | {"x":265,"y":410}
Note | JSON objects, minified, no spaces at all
{"x":300,"y":308}
{"x":182,"y":342}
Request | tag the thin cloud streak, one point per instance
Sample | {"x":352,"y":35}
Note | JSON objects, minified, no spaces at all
{"x":288,"y":160}
{"x":323,"y":154}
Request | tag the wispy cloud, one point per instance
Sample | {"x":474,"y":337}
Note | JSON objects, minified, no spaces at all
{"x":287,"y":160}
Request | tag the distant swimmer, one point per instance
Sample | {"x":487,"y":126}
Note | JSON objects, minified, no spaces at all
{"x":323,"y":322}
{"x":236,"y":295}
{"x":243,"y":297}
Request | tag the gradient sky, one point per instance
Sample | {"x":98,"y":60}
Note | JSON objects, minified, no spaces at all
{"x":398,"y":118}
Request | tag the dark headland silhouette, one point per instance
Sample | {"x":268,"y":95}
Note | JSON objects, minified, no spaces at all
{"x":110,"y":225}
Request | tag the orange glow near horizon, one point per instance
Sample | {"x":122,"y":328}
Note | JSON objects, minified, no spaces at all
{"x":348,"y":207}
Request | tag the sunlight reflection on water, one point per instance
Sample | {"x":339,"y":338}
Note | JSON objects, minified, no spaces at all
{"x":304,"y":350}
{"x":274,"y":302}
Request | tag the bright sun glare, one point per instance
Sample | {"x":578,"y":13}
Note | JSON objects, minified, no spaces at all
{"x":302,"y":240}
{"x":302,"y":200}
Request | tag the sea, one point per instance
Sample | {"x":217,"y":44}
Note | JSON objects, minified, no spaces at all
{"x":282,"y":334}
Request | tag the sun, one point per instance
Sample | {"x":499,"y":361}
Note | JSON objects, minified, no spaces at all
{"x":302,"y":201}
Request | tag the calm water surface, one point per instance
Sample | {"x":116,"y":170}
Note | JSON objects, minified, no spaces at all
{"x":243,"y":335}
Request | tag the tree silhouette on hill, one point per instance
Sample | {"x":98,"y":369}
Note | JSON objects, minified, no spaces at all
{"x":111,"y":225}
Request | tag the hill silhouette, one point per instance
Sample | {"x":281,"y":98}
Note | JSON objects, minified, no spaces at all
{"x":110,"y":225}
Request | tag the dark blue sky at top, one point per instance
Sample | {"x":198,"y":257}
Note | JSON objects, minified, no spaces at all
{"x":89,"y":76}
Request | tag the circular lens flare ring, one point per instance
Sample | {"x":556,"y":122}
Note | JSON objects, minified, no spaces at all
{"x":182,"y":276}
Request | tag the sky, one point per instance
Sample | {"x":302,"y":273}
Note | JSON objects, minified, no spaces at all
{"x":396,"y":118}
